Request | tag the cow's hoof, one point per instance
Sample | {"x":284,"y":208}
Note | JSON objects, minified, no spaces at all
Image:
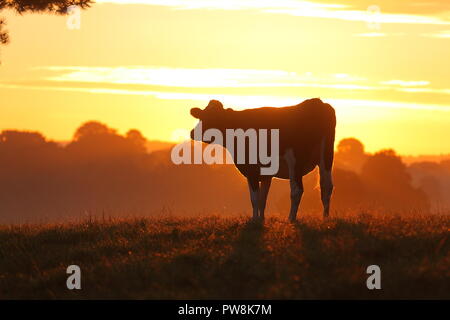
{"x":257,"y":221}
{"x":292,"y":220}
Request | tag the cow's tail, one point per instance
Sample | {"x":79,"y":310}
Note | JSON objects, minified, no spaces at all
{"x":327,"y":155}
{"x":326,"y":159}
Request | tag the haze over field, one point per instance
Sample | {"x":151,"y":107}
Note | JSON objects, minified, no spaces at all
{"x":101,"y":174}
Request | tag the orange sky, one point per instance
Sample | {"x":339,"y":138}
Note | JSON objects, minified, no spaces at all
{"x":145,"y":63}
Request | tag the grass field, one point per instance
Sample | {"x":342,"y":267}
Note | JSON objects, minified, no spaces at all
{"x":214,"y":257}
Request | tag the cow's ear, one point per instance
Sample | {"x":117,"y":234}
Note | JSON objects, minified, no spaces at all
{"x":196,"y":112}
{"x":215,"y":105}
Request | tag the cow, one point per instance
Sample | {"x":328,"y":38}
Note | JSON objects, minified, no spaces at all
{"x":306,"y":140}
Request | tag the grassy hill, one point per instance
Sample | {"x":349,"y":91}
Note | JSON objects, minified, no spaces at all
{"x":214,"y":257}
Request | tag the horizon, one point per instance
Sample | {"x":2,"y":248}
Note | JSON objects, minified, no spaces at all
{"x":168,"y":144}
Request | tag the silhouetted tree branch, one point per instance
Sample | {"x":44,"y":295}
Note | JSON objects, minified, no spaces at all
{"x":48,"y":6}
{"x":4,"y":38}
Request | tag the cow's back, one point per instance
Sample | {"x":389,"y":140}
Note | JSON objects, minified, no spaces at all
{"x":302,"y":128}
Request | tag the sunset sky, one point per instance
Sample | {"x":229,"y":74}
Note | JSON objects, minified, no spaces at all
{"x":384,"y":66}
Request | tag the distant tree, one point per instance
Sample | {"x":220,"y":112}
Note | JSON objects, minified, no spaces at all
{"x":26,"y":151}
{"x":351,"y":146}
{"x":21,"y":139}
{"x":432,"y":187}
{"x":92,"y":128}
{"x":349,"y":189}
{"x":95,"y":140}
{"x":386,"y":167}
{"x":137,"y":139}
{"x":433,"y":178}
{"x":46,"y":6}
{"x":389,"y":182}
{"x":446,"y":164}
{"x":350,"y":154}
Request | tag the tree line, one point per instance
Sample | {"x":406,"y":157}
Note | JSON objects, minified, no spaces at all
{"x":101,"y":173}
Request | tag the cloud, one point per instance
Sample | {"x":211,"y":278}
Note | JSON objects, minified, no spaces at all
{"x":379,"y":34}
{"x":247,"y":101}
{"x":204,"y":84}
{"x":425,"y":90}
{"x":140,"y":78}
{"x":345,"y":10}
{"x":444,"y":34}
{"x":371,"y":35}
{"x":403,"y":83}
{"x":413,"y":86}
{"x":231,"y":4}
{"x":201,"y":78}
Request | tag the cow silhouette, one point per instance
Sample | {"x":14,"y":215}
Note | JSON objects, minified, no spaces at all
{"x":306,"y":140}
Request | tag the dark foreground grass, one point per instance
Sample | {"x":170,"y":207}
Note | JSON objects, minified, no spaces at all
{"x":213,"y":257}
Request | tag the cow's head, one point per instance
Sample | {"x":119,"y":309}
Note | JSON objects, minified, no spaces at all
{"x":209,"y":118}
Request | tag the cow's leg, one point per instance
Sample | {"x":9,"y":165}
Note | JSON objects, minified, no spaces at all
{"x":296,"y":185}
{"x":326,"y":189}
{"x":263,"y":192}
{"x":253,"y":186}
{"x":296,"y":196}
{"x":326,"y":180}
